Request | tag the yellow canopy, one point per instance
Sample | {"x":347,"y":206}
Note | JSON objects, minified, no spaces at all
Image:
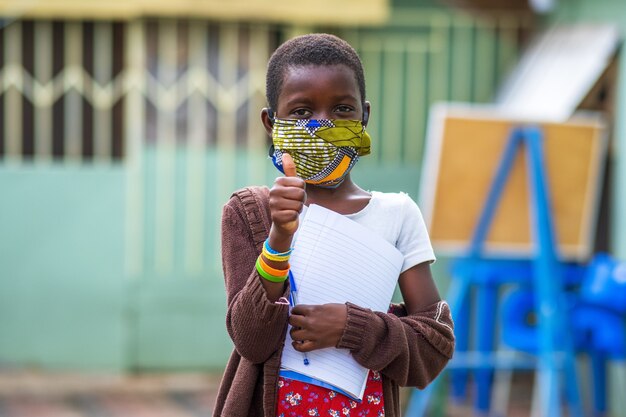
{"x":342,"y":12}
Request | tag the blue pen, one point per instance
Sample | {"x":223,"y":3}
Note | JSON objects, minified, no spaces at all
{"x":293,"y":301}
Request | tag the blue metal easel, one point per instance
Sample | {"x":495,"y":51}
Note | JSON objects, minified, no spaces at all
{"x":555,"y":361}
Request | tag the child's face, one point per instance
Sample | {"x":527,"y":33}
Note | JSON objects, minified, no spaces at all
{"x":320,"y":92}
{"x":323,"y":157}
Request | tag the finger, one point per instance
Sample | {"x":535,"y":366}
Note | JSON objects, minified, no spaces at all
{"x":297,"y":334}
{"x":296,"y":321}
{"x":289,"y":166}
{"x":301,"y":335}
{"x":304,"y":345}
{"x":287,"y":190}
{"x":287,"y":213}
{"x":289,"y":182}
{"x":302,"y":310}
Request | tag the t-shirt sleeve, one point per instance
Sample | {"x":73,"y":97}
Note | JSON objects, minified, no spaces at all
{"x":413,"y":240}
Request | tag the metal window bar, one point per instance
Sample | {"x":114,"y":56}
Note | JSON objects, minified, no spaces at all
{"x":178,"y":102}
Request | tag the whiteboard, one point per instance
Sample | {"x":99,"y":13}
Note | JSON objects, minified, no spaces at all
{"x":463,"y":150}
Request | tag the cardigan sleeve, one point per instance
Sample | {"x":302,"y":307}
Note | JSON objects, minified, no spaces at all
{"x":256,"y":325}
{"x":411,"y":350}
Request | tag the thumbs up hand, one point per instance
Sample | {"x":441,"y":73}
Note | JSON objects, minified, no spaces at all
{"x":287,"y":198}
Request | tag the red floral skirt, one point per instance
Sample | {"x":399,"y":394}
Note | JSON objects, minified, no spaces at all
{"x":299,"y":399}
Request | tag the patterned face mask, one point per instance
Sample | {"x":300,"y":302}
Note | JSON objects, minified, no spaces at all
{"x":324,"y":151}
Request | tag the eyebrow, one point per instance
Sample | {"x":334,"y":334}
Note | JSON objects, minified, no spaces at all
{"x":306,"y":100}
{"x":346,"y":97}
{"x":297,"y":100}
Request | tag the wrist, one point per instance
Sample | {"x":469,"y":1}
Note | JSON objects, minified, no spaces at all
{"x":279,"y":241}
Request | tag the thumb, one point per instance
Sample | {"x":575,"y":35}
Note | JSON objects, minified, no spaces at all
{"x":289,"y":166}
{"x":290,"y":170}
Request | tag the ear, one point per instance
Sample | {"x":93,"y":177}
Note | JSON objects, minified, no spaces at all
{"x":366,"y":113}
{"x":267,"y":118}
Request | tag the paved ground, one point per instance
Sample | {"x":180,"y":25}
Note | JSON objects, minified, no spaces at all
{"x":29,"y":394}
{"x":32,"y":394}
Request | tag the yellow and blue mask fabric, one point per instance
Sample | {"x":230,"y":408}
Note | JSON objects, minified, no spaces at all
{"x":324,"y":151}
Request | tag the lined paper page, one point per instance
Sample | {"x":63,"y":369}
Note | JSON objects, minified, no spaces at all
{"x":336,"y":260}
{"x":333,"y":366}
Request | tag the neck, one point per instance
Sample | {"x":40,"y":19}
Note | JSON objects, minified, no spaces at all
{"x":347,"y":198}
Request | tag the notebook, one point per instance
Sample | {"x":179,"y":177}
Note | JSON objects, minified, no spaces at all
{"x":336,"y":260}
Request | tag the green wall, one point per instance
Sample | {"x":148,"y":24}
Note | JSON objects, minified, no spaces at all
{"x":63,"y":295}
{"x":66,"y":299}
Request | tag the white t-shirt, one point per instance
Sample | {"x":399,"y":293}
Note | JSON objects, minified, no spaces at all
{"x":396,"y":218}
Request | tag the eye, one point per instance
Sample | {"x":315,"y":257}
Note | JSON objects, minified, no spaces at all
{"x":344,"y":108}
{"x":301,"y":113}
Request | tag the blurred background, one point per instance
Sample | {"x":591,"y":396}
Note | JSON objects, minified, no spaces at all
{"x":126,"y":125}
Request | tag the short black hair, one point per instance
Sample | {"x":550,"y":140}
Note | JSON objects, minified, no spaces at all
{"x":311,"y":49}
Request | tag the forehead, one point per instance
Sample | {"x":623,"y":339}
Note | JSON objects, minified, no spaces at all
{"x":339,"y":79}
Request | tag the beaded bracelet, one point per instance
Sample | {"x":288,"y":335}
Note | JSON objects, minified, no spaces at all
{"x":273,"y":255}
{"x":266,"y":274}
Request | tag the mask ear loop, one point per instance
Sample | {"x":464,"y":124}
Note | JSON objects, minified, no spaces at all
{"x":366,"y":117}
{"x":270,"y":115}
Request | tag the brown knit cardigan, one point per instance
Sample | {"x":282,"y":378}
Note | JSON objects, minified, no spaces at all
{"x":409,"y":350}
